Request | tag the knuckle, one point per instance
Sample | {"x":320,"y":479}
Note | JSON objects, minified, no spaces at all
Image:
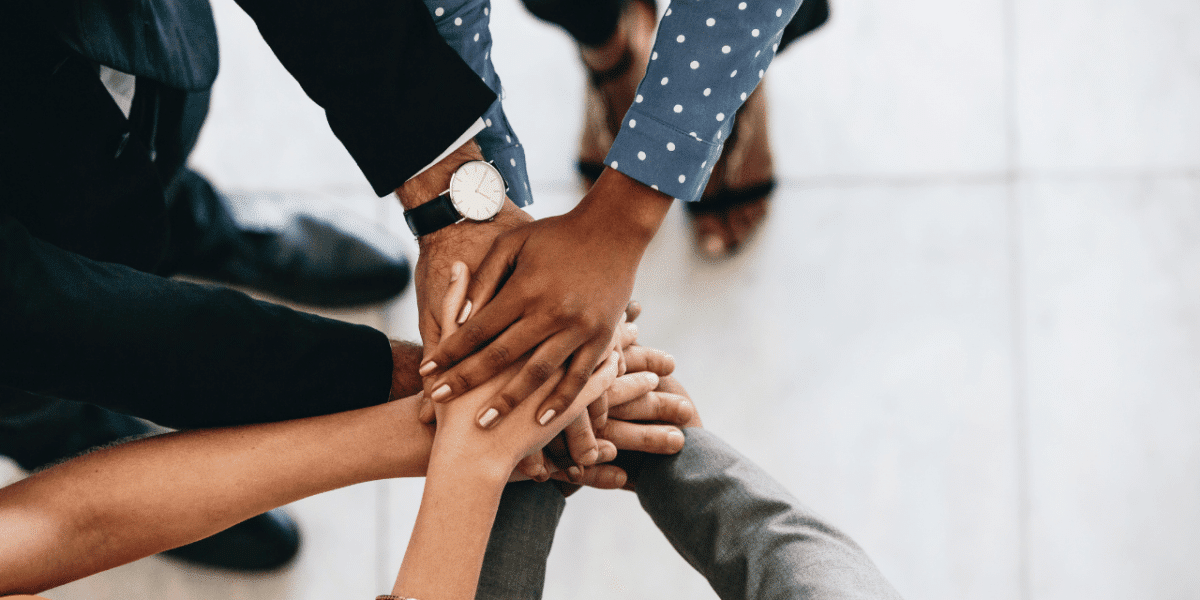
{"x":576,"y":379}
{"x":539,"y":370}
{"x":473,"y":333}
{"x":508,"y":401}
{"x":498,"y":355}
{"x":460,"y":379}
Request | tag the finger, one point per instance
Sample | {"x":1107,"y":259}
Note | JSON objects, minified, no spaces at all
{"x":580,"y":374}
{"x":452,"y":302}
{"x":544,"y":365}
{"x":656,"y":406}
{"x":629,"y":334}
{"x":485,"y":324}
{"x":581,"y":441}
{"x":641,"y":437}
{"x":509,"y":347}
{"x":633,"y":310}
{"x":628,"y":387}
{"x":604,"y":477}
{"x":425,"y":413}
{"x":608,"y":451}
{"x":641,"y":358}
{"x":598,"y":411}
{"x":492,"y":272}
{"x":534,"y":467}
{"x":557,"y":456}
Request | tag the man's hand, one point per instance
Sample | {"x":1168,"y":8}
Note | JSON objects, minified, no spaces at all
{"x":466,"y":241}
{"x":555,"y":287}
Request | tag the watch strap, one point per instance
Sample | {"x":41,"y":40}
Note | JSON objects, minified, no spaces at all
{"x":432,"y":216}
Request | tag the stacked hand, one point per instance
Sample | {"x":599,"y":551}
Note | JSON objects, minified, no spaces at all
{"x":548,"y":292}
{"x":641,"y":416}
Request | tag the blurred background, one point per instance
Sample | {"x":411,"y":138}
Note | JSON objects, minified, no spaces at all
{"x":968,"y":333}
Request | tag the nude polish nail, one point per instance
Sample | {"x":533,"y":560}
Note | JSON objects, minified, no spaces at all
{"x":427,"y":368}
{"x":466,"y":312}
{"x":489,"y":417}
{"x":546,"y":418}
{"x":441,"y":393}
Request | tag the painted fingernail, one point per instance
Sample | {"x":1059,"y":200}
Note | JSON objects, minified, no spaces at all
{"x":489,"y":417}
{"x":466,"y":312}
{"x":589,"y":457}
{"x":546,"y":418}
{"x":427,"y":368}
{"x":455,"y":272}
{"x":573,"y":473}
{"x":441,"y":393}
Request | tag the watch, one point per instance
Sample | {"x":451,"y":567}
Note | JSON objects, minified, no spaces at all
{"x":476,"y":193}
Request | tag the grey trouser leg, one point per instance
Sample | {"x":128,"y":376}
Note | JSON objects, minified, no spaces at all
{"x":514,"y":567}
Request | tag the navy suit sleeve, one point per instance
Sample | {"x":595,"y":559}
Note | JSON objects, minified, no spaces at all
{"x":177,"y":353}
{"x":394,"y":92}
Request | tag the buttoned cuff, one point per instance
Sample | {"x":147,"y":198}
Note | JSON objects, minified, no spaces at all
{"x":674,"y":162}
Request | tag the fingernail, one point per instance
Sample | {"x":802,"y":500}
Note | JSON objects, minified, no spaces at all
{"x":589,"y":457}
{"x":441,"y":393}
{"x":573,"y":473}
{"x":455,"y":272}
{"x":488,"y":417}
{"x":466,"y":311}
{"x":713,"y":246}
{"x":633,"y":329}
{"x":427,"y":368}
{"x":547,"y":417}
{"x":676,"y":436}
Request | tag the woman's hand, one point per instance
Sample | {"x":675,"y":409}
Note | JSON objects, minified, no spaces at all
{"x":513,"y":438}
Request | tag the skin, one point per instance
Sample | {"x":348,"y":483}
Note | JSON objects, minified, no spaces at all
{"x":552,"y":289}
{"x":116,"y":505}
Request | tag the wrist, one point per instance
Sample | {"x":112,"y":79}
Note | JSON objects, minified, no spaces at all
{"x":625,"y":206}
{"x":469,"y":462}
{"x":431,"y":182}
{"x":406,"y":359}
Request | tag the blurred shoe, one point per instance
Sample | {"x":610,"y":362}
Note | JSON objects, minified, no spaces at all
{"x":36,"y":431}
{"x":302,"y":258}
{"x":263,"y":543}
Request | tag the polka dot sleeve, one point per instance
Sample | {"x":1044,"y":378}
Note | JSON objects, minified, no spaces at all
{"x":708,"y":57}
{"x":464,"y":24}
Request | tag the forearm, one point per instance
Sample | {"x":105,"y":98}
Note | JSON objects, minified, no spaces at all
{"x":120,"y":504}
{"x":449,"y":539}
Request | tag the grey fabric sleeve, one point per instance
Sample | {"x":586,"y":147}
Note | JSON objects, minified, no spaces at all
{"x":746,"y":534}
{"x":514,"y":567}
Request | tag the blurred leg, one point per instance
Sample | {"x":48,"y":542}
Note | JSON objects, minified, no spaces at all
{"x":514,"y":567}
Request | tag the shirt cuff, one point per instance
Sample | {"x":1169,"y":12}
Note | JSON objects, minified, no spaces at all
{"x":674,"y":162}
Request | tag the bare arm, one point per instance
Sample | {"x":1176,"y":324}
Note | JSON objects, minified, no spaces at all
{"x":468,"y":469}
{"x":123,"y":503}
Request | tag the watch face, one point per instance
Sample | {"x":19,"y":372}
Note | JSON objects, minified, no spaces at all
{"x":477,"y":190}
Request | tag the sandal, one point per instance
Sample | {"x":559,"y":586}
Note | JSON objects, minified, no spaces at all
{"x":735,"y":202}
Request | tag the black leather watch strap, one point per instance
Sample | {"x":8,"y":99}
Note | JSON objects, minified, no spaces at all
{"x":432,"y":216}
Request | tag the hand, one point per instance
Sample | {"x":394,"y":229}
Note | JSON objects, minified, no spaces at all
{"x":555,"y":287}
{"x":502,"y":446}
{"x":466,"y":241}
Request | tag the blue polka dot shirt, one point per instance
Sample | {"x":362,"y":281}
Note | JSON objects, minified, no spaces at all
{"x":708,"y":57}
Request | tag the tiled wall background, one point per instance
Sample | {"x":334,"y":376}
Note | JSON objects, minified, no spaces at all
{"x":969,"y":333}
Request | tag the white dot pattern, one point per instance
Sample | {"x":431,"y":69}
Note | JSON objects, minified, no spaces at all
{"x":464,"y":25}
{"x":703,"y":67}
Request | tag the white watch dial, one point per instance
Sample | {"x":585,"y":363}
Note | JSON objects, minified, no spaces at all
{"x":477,"y":190}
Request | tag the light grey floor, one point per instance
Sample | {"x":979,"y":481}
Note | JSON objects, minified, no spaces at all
{"x":969,"y":333}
